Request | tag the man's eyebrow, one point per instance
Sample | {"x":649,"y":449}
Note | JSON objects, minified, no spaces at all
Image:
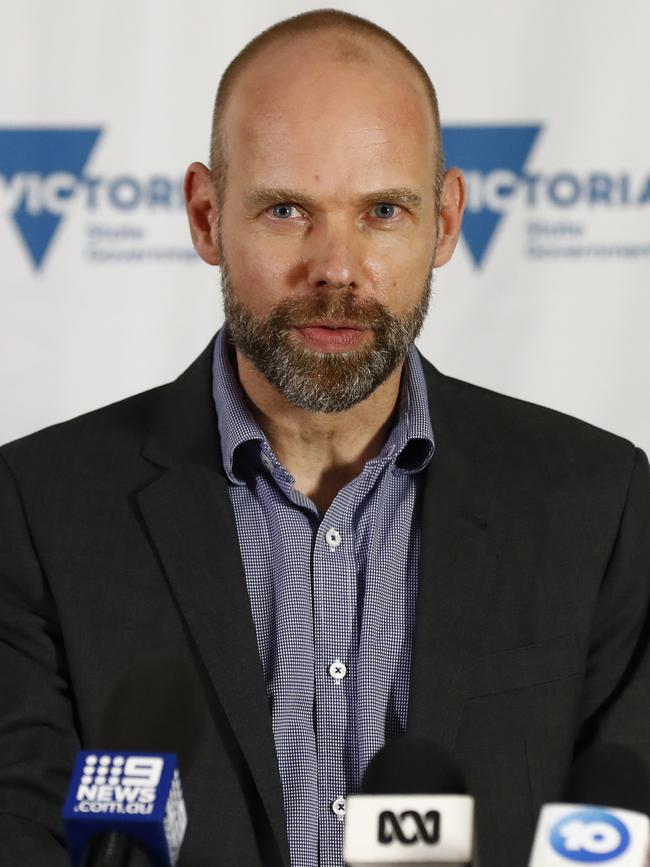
{"x":396,"y":196}
{"x":265,"y":196}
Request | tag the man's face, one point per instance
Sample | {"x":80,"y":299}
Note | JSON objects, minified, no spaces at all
{"x":328,"y":226}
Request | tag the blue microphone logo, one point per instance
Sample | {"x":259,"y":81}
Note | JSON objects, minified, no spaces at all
{"x":137,"y":795}
{"x":590,"y":836}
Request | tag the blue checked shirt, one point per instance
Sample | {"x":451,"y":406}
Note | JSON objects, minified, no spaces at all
{"x":333,"y":602}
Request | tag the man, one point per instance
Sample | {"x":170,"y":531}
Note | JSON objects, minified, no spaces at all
{"x":346,"y":544}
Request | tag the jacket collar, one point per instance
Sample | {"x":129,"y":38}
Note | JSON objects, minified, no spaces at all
{"x":459,"y":551}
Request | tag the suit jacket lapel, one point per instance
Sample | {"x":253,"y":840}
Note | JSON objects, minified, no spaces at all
{"x":458,"y":548}
{"x":189,"y":517}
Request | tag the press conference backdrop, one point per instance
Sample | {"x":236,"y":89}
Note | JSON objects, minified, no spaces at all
{"x":544,"y":106}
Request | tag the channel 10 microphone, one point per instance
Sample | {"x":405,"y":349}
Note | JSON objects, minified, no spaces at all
{"x":412,"y":809}
{"x":605,"y":818}
{"x":125,"y":803}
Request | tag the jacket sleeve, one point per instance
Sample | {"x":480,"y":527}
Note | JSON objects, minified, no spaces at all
{"x":38,"y":739}
{"x":616,"y":697}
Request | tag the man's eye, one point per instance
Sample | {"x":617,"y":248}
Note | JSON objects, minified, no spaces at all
{"x":385,"y":211}
{"x":283,"y":211}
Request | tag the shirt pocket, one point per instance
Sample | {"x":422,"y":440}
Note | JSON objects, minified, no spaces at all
{"x":526,"y":666}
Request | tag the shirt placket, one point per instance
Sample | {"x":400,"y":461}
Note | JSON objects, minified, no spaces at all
{"x":334,"y":582}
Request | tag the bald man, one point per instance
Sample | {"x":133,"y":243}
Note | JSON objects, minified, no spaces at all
{"x":345,"y":544}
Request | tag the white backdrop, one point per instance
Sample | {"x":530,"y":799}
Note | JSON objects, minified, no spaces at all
{"x":544,"y":103}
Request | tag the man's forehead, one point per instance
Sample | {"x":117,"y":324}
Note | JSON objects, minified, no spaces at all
{"x":303,"y":73}
{"x":341,"y":150}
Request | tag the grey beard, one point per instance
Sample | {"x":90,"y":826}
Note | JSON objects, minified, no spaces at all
{"x":319,"y":381}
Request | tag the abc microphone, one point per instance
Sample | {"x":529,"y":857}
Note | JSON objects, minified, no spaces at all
{"x":125,"y":804}
{"x":412,"y":809}
{"x":584,"y":830}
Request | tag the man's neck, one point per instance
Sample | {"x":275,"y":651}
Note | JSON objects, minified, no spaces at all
{"x":322,"y":451}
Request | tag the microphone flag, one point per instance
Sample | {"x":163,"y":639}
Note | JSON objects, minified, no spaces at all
{"x":578,"y":834}
{"x":409,"y":830}
{"x":136,"y":794}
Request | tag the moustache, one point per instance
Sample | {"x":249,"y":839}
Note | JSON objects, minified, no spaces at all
{"x":340,"y":309}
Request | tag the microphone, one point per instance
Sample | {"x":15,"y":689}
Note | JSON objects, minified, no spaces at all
{"x":125,"y":805}
{"x":412,"y":809}
{"x":610,"y":774}
{"x":605,"y":818}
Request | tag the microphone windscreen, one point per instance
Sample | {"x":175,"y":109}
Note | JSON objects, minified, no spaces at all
{"x":611,"y":775}
{"x":156,"y":706}
{"x":413,"y":766}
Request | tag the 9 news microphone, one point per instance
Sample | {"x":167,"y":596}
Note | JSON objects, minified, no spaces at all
{"x":605,"y":820}
{"x":125,"y":804}
{"x":412,"y":809}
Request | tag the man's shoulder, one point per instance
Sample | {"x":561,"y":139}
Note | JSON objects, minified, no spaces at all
{"x":116,"y":433}
{"x":521,"y":436}
{"x":105,"y":435}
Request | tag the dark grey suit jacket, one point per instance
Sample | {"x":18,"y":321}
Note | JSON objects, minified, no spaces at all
{"x":117,"y":539}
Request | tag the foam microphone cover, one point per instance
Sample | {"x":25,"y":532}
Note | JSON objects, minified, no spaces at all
{"x":156,"y":706}
{"x":412,"y":808}
{"x":413,"y":766}
{"x":610,"y":775}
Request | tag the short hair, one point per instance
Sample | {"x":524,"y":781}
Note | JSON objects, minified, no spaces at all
{"x":331,"y":21}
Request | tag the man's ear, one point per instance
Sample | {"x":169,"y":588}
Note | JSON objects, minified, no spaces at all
{"x":201,"y":206}
{"x":452,"y":205}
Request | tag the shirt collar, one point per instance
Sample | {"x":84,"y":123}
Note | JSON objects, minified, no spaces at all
{"x":411,"y":442}
{"x":409,"y":446}
{"x":236,"y":423}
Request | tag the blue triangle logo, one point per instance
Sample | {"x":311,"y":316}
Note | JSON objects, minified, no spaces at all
{"x":40,"y":167}
{"x":482,"y":151}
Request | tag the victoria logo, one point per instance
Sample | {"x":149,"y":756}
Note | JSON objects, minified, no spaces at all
{"x":493,"y":160}
{"x":409,"y":827}
{"x":559,"y":208}
{"x":40,"y":170}
{"x":590,"y":836}
{"x":44,"y":177}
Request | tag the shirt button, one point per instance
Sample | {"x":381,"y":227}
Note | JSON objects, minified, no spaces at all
{"x":333,"y":538}
{"x":338,"y":669}
{"x":268,"y":463}
{"x":338,"y":808}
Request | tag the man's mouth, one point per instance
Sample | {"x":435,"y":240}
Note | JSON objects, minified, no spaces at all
{"x":332,"y":336}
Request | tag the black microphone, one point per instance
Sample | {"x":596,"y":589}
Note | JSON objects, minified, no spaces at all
{"x":412,"y":766}
{"x":612,"y":775}
{"x":412,"y":807}
{"x":125,"y":806}
{"x":604,"y":817}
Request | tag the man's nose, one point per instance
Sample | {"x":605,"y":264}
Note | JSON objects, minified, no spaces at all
{"x":335,"y":256}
